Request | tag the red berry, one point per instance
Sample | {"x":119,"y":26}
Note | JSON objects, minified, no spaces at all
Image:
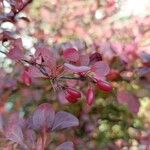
{"x":147,"y":64}
{"x":113,"y":75}
{"x":71,"y":99}
{"x":74,"y":93}
{"x":90,"y":96}
{"x":105,"y":86}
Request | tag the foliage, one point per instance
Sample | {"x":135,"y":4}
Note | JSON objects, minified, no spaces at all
{"x":73,"y":66}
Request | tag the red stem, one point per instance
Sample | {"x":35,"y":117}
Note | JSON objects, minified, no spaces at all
{"x":44,"y":139}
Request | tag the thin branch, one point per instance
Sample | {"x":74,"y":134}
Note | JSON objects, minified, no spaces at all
{"x":3,"y":52}
{"x":42,"y":70}
{"x":10,"y":18}
{"x":74,"y":78}
{"x":25,"y":5}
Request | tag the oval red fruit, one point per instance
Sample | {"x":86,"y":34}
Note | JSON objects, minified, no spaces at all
{"x":71,"y":99}
{"x":147,"y":64}
{"x":74,"y":93}
{"x":90,"y":96}
{"x":105,"y":86}
{"x":113,"y":75}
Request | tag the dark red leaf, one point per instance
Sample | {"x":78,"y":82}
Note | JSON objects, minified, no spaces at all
{"x":95,"y":57}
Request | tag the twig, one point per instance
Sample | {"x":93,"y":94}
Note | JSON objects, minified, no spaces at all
{"x":74,"y":78}
{"x":25,"y":4}
{"x":3,"y":52}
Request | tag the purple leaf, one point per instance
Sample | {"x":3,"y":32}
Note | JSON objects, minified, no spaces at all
{"x":61,"y":97}
{"x":31,"y":137}
{"x":84,"y":60}
{"x":46,"y":54}
{"x":43,"y":117}
{"x":145,"y":57}
{"x":64,"y":120}
{"x":16,"y":52}
{"x":100,"y":68}
{"x":1,"y":122}
{"x":143,"y":71}
{"x":34,"y":72}
{"x":125,"y":97}
{"x":14,"y":133}
{"x":65,"y":146}
{"x":76,"y":69}
{"x":71,"y":54}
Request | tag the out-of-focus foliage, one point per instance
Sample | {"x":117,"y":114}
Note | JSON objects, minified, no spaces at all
{"x":115,"y":48}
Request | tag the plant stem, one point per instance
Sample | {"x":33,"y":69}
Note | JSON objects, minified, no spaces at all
{"x":3,"y":52}
{"x":74,"y":78}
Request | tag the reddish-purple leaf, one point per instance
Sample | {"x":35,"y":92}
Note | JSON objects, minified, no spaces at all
{"x":34,"y":72}
{"x":6,"y":35}
{"x":71,"y":54}
{"x":46,"y":54}
{"x":77,"y":69}
{"x":16,"y":52}
{"x":84,"y":60}
{"x":1,"y":122}
{"x":65,"y":146}
{"x":100,"y":68}
{"x":95,"y":57}
{"x":17,"y":4}
{"x":14,"y":133}
{"x":8,"y":147}
{"x":71,"y":83}
{"x":64,"y":120}
{"x":143,"y":71}
{"x":107,"y":51}
{"x":125,"y":97}
{"x":31,"y":137}
{"x":61,"y":97}
{"x":145,"y":57}
{"x":43,"y":117}
{"x":25,"y":77}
